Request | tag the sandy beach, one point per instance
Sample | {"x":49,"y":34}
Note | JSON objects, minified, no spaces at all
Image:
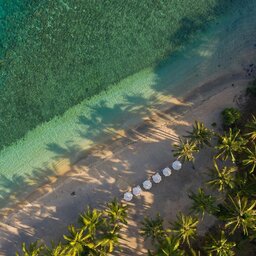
{"x":98,"y":150}
{"x":124,"y":161}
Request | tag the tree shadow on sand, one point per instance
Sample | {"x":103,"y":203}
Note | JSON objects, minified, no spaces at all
{"x":106,"y":174}
{"x":94,"y":185}
{"x":105,"y":121}
{"x":127,"y":121}
{"x":18,"y":187}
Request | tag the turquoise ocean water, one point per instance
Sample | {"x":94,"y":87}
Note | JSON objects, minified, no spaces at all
{"x":54,"y":54}
{"x":211,"y":51}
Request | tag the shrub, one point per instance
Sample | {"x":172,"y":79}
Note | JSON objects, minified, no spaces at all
{"x":230,"y":117}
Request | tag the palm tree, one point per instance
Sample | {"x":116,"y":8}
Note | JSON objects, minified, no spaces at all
{"x":222,"y":178}
{"x":59,"y":250}
{"x":241,"y":213}
{"x":203,"y":203}
{"x":252,"y":128}
{"x":220,"y":247}
{"x":229,"y":144}
{"x":153,"y":228}
{"x":200,"y":135}
{"x":194,"y":252}
{"x":169,"y":246}
{"x":78,"y":241}
{"x":110,"y":240}
{"x":250,"y":157}
{"x":117,"y":212}
{"x":245,"y":184}
{"x":91,"y":220}
{"x":185,"y":150}
{"x":32,"y":250}
{"x":185,"y":228}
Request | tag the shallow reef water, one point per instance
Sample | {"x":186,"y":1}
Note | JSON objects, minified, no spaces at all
{"x":54,"y":54}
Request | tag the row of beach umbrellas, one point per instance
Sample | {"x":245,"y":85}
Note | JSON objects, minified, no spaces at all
{"x":156,"y":178}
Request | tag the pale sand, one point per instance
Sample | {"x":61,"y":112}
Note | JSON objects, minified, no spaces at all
{"x":111,"y":168}
{"x":114,"y":167}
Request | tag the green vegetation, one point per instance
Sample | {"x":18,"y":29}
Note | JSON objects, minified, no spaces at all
{"x":232,"y":201}
{"x":202,"y":203}
{"x":200,"y":135}
{"x":153,"y":228}
{"x":231,"y":117}
{"x":229,"y":144}
{"x":236,"y":214}
{"x":185,"y":150}
{"x":220,"y":246}
{"x":251,"y":127}
{"x":222,"y":178}
{"x":185,"y":228}
{"x":67,"y":51}
{"x":98,"y":233}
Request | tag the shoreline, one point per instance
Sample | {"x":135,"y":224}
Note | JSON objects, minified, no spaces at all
{"x":48,"y":151}
{"x":134,"y":140}
{"x":195,"y":99}
{"x":207,"y":90}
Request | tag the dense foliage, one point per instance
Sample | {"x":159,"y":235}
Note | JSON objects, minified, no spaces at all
{"x":66,"y":51}
{"x":231,"y":117}
{"x":98,"y":233}
{"x":232,"y":200}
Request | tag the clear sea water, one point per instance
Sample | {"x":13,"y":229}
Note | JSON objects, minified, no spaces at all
{"x":211,"y":52}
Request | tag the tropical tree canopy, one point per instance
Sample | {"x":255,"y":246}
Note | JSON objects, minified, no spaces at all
{"x":234,"y":211}
{"x":251,"y":126}
{"x":33,"y":249}
{"x":200,"y":135}
{"x":185,"y":228}
{"x":185,"y":150}
{"x":250,"y":157}
{"x":229,"y":144}
{"x":153,"y":228}
{"x":230,"y":117}
{"x":222,"y":179}
{"x":241,"y":214}
{"x":220,"y":247}
{"x":203,"y":203}
{"x":169,"y":246}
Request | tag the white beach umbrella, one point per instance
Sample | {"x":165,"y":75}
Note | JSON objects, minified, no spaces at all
{"x":176,"y":165}
{"x":156,"y":178}
{"x":136,"y":190}
{"x":167,"y":172}
{"x":147,"y":184}
{"x":128,"y":196}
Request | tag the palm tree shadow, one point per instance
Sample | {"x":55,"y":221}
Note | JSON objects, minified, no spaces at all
{"x":16,"y":189}
{"x":106,"y":118}
{"x":103,"y":121}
